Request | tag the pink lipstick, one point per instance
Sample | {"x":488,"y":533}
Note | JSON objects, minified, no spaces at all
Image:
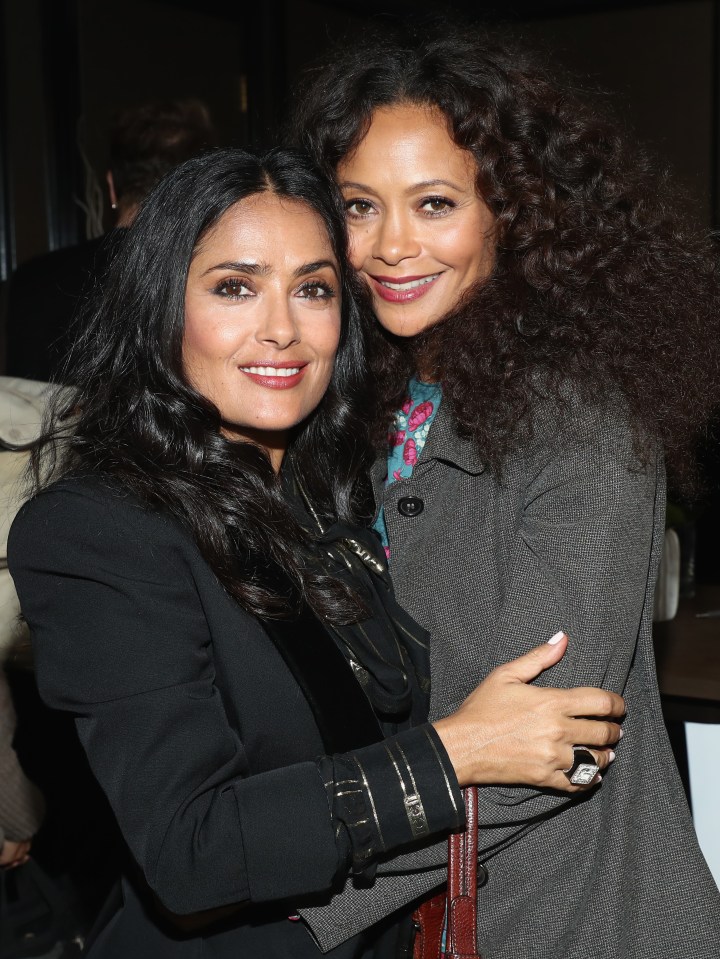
{"x":403,"y":289}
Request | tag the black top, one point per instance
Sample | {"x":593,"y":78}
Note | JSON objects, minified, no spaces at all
{"x":202,"y":736}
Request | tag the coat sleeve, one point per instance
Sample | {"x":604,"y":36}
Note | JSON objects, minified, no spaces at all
{"x":121,"y":641}
{"x":585,"y":561}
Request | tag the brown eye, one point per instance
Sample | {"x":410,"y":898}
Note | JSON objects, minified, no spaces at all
{"x":437,"y":204}
{"x":233,"y":288}
{"x":315,"y":290}
{"x":359,"y":207}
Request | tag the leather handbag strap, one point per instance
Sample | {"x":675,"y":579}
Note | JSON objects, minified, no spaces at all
{"x":461,"y":933}
{"x":456,"y":909}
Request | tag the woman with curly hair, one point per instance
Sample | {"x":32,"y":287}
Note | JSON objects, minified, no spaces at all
{"x":547,"y":336}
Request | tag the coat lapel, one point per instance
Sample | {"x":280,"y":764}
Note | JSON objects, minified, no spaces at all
{"x":443,"y":444}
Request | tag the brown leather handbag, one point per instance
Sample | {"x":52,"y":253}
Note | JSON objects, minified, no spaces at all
{"x":460,"y":900}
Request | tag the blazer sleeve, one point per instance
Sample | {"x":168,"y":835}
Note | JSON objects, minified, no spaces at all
{"x":121,"y":641}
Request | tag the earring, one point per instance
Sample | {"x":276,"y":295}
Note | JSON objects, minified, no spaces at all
{"x":113,"y":206}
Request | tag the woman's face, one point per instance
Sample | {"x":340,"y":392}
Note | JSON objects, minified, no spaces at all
{"x":419,"y":233}
{"x":262,"y":318}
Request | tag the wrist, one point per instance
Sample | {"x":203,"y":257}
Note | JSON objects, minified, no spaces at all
{"x":461,"y":750}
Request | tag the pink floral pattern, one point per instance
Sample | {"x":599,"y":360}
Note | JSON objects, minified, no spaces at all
{"x":406,"y":441}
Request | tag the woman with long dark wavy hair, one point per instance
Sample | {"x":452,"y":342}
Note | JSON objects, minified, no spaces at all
{"x":222,"y":629}
{"x":548,"y":333}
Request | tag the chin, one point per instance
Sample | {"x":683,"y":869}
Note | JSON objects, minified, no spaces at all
{"x":406,"y":327}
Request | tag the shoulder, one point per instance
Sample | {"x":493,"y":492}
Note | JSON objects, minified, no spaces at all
{"x":82,"y":498}
{"x":92,"y":516}
{"x":583,"y":457}
{"x":570,"y":423}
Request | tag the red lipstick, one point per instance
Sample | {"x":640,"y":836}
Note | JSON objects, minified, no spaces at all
{"x":263,"y":374}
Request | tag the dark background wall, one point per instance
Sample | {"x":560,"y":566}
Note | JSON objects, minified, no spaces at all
{"x":658,"y":64}
{"x":69,"y":64}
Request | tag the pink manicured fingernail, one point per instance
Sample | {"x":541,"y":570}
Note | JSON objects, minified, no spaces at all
{"x":554,"y":640}
{"x":612,"y":755}
{"x":622,"y":733}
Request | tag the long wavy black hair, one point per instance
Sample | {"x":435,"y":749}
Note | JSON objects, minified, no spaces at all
{"x":597,"y":282}
{"x":134,"y":415}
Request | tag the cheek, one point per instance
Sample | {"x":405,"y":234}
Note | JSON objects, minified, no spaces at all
{"x":209,"y":334}
{"x":196,"y":329}
{"x":332,"y":341}
{"x":202,"y":348}
{"x":357,"y":246}
{"x":326,"y":347}
{"x":191,"y":347}
{"x":475,"y":252}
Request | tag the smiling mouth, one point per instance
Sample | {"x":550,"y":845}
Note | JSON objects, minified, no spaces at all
{"x":403,"y":290}
{"x":405,"y":285}
{"x":281,"y":377}
{"x":271,"y":370}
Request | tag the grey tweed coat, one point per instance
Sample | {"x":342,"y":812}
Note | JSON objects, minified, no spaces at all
{"x":568,"y":538}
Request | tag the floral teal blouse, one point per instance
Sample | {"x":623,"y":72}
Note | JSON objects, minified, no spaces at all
{"x":406,"y":441}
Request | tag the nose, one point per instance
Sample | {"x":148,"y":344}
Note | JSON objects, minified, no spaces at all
{"x":395,"y":239}
{"x":278,"y":326}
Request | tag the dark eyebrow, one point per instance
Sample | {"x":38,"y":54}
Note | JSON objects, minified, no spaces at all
{"x":251,"y":269}
{"x":414,"y":188}
{"x":314,"y":267}
{"x":263,"y":269}
{"x":430,"y":183}
{"x":355,"y":186}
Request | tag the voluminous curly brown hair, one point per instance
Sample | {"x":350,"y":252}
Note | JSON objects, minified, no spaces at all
{"x":598,"y":281}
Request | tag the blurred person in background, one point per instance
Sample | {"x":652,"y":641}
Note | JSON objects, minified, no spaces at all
{"x":21,"y":805}
{"x":146,"y":142}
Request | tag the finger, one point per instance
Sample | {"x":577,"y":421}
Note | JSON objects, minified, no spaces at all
{"x":602,"y":757}
{"x":528,"y":667}
{"x":594,"y":732}
{"x":588,"y":701}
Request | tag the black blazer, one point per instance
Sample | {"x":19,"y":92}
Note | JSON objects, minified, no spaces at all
{"x":193,"y":723}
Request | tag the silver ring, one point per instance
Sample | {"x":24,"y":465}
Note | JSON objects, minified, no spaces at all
{"x":584,"y":768}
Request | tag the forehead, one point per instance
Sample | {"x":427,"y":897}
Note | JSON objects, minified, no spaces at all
{"x":413,"y":139}
{"x":270,"y":228}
